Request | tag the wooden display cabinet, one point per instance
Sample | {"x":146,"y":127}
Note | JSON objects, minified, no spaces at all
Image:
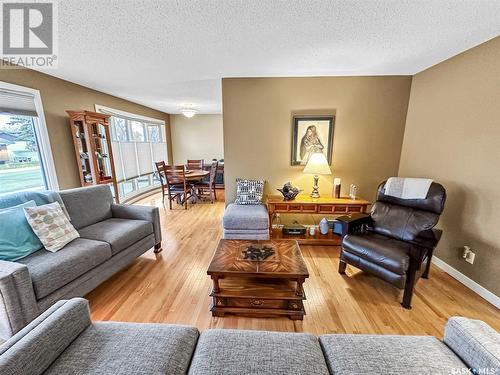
{"x":94,"y":156}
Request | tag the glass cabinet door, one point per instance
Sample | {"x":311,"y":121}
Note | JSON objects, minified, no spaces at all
{"x":101,"y":152}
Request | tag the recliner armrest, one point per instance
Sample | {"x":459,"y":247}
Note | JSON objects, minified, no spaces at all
{"x":136,"y":212}
{"x":428,"y":239}
{"x":18,"y":305}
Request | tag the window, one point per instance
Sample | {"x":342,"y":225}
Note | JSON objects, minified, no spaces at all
{"x":25,"y":157}
{"x":137,"y":143}
{"x":138,"y":133}
{"x":154,"y":133}
{"x":119,"y":129}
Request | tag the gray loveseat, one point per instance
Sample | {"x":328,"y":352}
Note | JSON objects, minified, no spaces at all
{"x":63,"y":340}
{"x":112,"y":236}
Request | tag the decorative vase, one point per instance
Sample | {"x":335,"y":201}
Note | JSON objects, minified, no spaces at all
{"x":323,"y":226}
{"x":289,"y":191}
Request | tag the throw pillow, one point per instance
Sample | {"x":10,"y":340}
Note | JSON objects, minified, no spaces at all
{"x":17,"y":239}
{"x":249,"y":191}
{"x":51,"y":225}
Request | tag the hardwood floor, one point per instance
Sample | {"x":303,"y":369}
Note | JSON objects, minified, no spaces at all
{"x":173,"y":287}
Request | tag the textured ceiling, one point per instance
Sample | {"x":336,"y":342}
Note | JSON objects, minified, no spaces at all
{"x":167,"y":53}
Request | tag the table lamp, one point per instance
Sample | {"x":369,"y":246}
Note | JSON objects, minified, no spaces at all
{"x":316,"y":165}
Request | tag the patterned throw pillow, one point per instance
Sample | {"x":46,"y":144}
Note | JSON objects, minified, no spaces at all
{"x":249,"y":191}
{"x":51,"y":225}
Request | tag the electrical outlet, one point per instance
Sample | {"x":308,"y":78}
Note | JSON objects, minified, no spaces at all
{"x":469,"y":255}
{"x":470,"y":258}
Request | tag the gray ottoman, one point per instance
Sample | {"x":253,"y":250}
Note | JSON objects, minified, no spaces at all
{"x":236,"y":352}
{"x":246,"y":222}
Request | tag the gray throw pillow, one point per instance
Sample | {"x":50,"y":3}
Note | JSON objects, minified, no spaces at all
{"x":249,"y":191}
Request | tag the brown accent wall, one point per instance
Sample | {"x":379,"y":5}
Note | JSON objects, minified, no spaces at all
{"x":370,"y":118}
{"x":59,"y":95}
{"x":453,"y":136}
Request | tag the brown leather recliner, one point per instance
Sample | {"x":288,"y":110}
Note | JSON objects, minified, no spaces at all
{"x":393,"y":242}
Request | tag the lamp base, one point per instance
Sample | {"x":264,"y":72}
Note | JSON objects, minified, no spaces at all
{"x":315,"y":191}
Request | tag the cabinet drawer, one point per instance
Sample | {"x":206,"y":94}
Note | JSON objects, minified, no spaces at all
{"x":295,"y":208}
{"x":283,"y":207}
{"x":354,"y":209}
{"x":337,"y":209}
{"x":310,"y":208}
{"x":325,"y":209}
{"x":257,"y":303}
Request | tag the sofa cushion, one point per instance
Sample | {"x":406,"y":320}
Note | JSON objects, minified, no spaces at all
{"x":239,"y":216}
{"x":384,"y":251}
{"x":387,"y":354}
{"x":87,"y":205}
{"x":50,"y":271}
{"x":477,"y":344}
{"x":111,"y":348}
{"x":119,"y":233}
{"x":253,"y":352}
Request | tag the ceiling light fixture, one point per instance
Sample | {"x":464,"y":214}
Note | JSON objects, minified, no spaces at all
{"x":188,"y":111}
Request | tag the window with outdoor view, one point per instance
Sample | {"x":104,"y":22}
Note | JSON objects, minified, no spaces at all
{"x":24,"y":149}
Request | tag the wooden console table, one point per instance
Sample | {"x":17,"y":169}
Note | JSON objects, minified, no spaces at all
{"x":304,"y":204}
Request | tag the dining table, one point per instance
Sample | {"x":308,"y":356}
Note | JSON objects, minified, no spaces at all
{"x":195,"y":175}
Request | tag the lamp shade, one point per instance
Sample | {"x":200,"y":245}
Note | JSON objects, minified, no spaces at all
{"x":317,"y":164}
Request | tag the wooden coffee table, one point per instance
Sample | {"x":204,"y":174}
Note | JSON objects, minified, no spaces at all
{"x":270,"y":287}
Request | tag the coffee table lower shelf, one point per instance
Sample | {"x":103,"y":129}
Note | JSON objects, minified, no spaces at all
{"x":258,"y":297}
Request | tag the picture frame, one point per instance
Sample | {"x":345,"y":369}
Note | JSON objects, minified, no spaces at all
{"x":312,"y":134}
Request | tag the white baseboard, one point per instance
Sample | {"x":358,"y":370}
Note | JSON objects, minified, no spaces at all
{"x":469,"y":283}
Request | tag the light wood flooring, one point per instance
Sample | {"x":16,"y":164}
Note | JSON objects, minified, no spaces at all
{"x":173,"y":287}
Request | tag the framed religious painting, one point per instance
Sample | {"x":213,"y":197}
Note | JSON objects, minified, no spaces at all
{"x":310,"y":135}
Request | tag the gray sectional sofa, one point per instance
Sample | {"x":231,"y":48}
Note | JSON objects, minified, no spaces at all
{"x":63,"y":340}
{"x":112,"y":236}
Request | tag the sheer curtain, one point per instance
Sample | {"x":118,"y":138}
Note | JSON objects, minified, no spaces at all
{"x":137,"y":144}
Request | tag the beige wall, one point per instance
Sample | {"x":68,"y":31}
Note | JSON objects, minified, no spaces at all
{"x":58,"y":96}
{"x":453,"y":136}
{"x":370,"y":117}
{"x":199,"y":137}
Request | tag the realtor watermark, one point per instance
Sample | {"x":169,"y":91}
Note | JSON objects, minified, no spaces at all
{"x":475,"y":371}
{"x":29,"y":34}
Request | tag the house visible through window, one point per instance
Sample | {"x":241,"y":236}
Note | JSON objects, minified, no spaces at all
{"x":25,"y":159}
{"x":137,"y":142}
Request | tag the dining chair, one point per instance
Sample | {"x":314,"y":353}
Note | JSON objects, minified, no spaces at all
{"x":206,"y":189}
{"x":160,"y":169}
{"x":195,"y":164}
{"x":176,"y":186}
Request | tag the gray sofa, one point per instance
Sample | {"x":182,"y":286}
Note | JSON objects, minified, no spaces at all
{"x":63,"y":340}
{"x":246,"y":222}
{"x":112,"y":236}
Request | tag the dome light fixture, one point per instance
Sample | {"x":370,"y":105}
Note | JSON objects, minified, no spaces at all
{"x":188,"y":111}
